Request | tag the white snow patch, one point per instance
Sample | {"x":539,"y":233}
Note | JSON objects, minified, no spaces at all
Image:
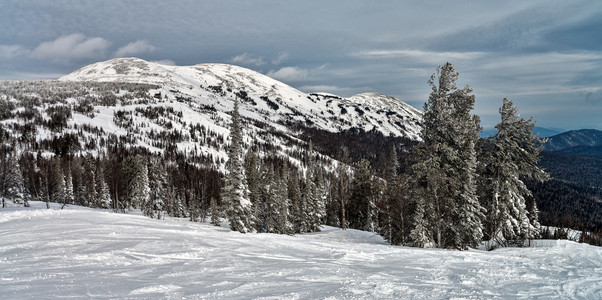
{"x":84,"y":253}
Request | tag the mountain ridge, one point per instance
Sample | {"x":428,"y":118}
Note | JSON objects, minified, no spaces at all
{"x":574,"y":138}
{"x":262,"y":97}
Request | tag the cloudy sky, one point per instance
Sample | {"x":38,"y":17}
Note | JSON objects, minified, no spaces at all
{"x":545,"y":55}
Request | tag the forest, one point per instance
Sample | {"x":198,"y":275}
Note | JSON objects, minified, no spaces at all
{"x":451,"y":190}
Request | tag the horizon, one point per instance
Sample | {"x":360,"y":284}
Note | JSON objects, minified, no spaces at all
{"x":548,"y":66}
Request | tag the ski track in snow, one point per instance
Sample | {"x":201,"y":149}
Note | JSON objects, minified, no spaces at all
{"x":84,"y":253}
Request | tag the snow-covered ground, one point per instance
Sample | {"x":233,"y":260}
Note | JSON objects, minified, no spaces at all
{"x":84,"y":253}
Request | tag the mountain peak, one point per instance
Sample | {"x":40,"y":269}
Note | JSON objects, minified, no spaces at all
{"x":262,"y":98}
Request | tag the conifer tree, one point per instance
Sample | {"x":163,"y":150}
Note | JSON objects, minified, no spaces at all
{"x":294,"y":194}
{"x":135,"y":174}
{"x":284,"y":224}
{"x":89,"y":180}
{"x":158,"y":188}
{"x":444,"y":172}
{"x":235,"y":193}
{"x":69,"y":194}
{"x":394,"y":202}
{"x":13,"y":179}
{"x":216,"y":214}
{"x":362,"y":207}
{"x":514,"y":155}
{"x":141,"y":194}
{"x":58,"y":194}
{"x":271,"y":201}
{"x":103,"y":193}
{"x":312,"y":202}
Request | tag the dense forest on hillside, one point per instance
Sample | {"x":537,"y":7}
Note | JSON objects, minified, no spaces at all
{"x":450,"y":190}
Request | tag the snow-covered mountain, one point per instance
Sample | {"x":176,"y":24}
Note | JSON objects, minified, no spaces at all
{"x":263,"y":98}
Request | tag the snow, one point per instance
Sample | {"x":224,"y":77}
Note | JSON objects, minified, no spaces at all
{"x":321,"y":109}
{"x":84,"y":253}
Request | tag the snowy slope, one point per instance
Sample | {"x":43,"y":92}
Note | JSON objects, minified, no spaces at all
{"x":262,"y":97}
{"x":82,"y":253}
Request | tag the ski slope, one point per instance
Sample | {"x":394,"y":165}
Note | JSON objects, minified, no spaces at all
{"x":85,"y":253}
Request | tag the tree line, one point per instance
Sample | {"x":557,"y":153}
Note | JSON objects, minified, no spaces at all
{"x":450,"y":190}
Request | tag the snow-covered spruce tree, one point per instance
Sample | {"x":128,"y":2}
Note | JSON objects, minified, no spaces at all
{"x":312,"y":207}
{"x":135,"y":175}
{"x":142,"y":190}
{"x":294,"y":194}
{"x":235,"y":193}
{"x":514,"y":155}
{"x":271,"y":201}
{"x":285,"y":226}
{"x":216,"y":212}
{"x":102,"y":189}
{"x":58,"y":191}
{"x":89,"y":180}
{"x":392,"y":210}
{"x":69,"y":193}
{"x":253,"y":175}
{"x":158,"y":188}
{"x":13,"y":179}
{"x":362,"y":209}
{"x":443,"y":174}
{"x":320,"y":193}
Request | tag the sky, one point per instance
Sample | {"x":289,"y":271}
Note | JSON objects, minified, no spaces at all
{"x":544,"y":55}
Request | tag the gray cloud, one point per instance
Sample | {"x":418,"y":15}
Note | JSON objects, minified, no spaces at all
{"x":135,"y":48}
{"x":68,"y":48}
{"x":8,"y":52}
{"x":247,"y":59}
{"x":289,"y":74}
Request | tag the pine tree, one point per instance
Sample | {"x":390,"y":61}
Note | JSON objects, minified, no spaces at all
{"x":142,"y":190}
{"x":394,"y":203}
{"x":294,"y":194}
{"x":284,"y":226}
{"x":445,"y":169}
{"x":13,"y":179}
{"x":69,"y":195}
{"x":470,"y":227}
{"x":158,"y":188}
{"x":312,"y":202}
{"x":271,"y":199}
{"x":216,"y":215}
{"x":235,"y":193}
{"x":514,"y":155}
{"x":89,"y":180}
{"x":362,"y":207}
{"x":135,"y":174}
{"x":103,"y":193}
{"x":58,"y":194}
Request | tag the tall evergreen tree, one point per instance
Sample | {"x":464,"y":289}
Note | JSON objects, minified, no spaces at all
{"x":13,"y":179}
{"x":285,"y":225}
{"x":69,"y":193}
{"x":362,"y":207}
{"x":58,"y":194}
{"x":444,"y":172}
{"x":135,"y":174}
{"x":294,"y":194}
{"x":235,"y":193}
{"x":216,"y":212}
{"x":158,"y":188}
{"x":514,"y":155}
{"x":102,"y":192}
{"x":393,"y":210}
{"x":89,"y":180}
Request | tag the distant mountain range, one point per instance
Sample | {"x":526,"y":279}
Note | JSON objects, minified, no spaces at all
{"x":577,"y":140}
{"x":545,"y":132}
